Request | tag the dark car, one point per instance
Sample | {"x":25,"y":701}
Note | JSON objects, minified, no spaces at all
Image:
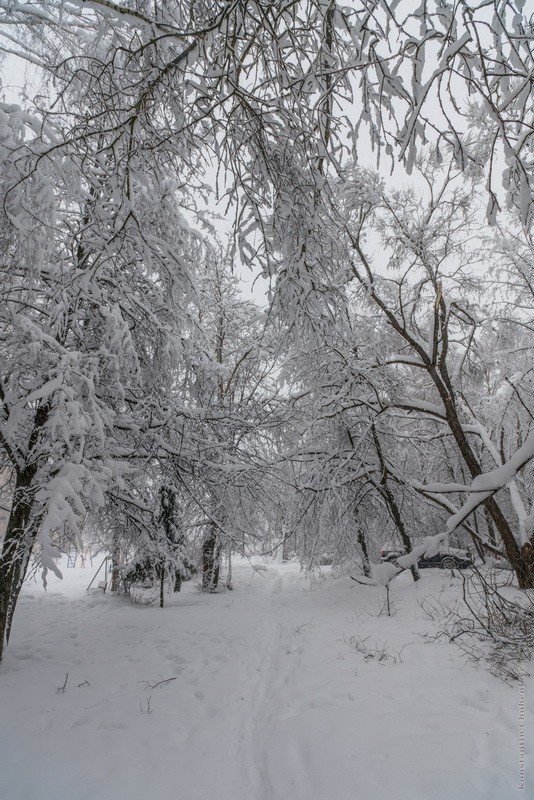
{"x":391,"y":552}
{"x":447,"y":559}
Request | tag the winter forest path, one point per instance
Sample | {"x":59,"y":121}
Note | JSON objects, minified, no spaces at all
{"x":262,"y":693}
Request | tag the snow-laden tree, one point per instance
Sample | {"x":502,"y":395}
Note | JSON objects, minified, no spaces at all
{"x":429,"y":290}
{"x":141,"y":98}
{"x":280,"y":94}
{"x":231,"y":382}
{"x":158,"y":552}
{"x":91,"y":314}
{"x":417,"y":389}
{"x":348,"y":501}
{"x":112,"y":372}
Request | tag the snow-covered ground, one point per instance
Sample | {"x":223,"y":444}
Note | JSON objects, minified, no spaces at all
{"x":271,"y":699}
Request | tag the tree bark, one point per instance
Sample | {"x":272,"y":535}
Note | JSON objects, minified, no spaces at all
{"x":391,"y":503}
{"x":162,"y":586}
{"x":115,"y":563}
{"x":210,"y":560}
{"x":19,"y":539}
{"x":365,"y":553}
{"x":518,"y":558}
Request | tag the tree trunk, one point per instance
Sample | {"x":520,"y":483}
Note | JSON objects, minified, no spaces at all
{"x":210,"y":560}
{"x":115,"y":563}
{"x":391,"y":503}
{"x":518,"y":558}
{"x":19,"y":539}
{"x":395,"y":515}
{"x":365,"y":553}
{"x":229,"y":584}
{"x":162,"y":586}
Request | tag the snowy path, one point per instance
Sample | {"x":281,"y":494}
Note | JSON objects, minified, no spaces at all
{"x":270,"y":699}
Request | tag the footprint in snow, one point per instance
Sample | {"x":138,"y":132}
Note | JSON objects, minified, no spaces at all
{"x":109,"y":725}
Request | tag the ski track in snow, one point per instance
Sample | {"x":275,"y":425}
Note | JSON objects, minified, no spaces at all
{"x":267,"y":674}
{"x":260,"y":676}
{"x":270,"y":698}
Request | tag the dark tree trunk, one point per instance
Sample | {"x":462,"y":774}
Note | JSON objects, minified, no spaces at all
{"x":211,"y":550}
{"x":19,"y":539}
{"x":162,"y":586}
{"x":115,"y":563}
{"x":365,"y":553}
{"x":476,"y":541}
{"x":518,"y":558}
{"x":491,"y":529}
{"x":391,"y":503}
{"x":395,"y":515}
{"x":229,"y":584}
